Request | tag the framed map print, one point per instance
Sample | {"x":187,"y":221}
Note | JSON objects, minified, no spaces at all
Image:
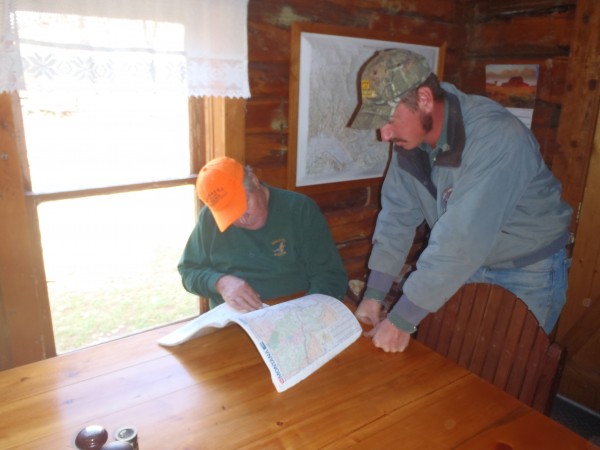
{"x":324,"y":94}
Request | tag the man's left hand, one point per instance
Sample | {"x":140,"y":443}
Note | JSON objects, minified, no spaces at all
{"x":388,"y":337}
{"x":370,"y":311}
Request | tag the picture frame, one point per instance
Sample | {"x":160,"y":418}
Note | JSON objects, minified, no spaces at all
{"x":514,"y":86}
{"x":323,"y":152}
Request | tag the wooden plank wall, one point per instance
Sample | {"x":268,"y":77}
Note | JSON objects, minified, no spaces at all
{"x":579,"y":136}
{"x":351,"y":211}
{"x":523,"y":31}
{"x":477,"y":33}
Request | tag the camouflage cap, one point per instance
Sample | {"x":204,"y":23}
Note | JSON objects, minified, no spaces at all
{"x":384,"y":80}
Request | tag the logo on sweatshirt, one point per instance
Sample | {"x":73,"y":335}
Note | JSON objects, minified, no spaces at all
{"x":279,"y":247}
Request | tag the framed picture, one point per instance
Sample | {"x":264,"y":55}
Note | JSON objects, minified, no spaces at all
{"x":325,"y":61}
{"x":514,"y":86}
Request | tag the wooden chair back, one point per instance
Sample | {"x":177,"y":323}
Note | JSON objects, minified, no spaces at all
{"x":203,"y":304}
{"x":491,"y":332}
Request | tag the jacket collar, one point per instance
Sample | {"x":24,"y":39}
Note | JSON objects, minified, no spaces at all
{"x":451,"y":155}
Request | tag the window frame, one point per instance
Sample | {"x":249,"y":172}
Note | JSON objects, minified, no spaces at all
{"x":217,"y":128}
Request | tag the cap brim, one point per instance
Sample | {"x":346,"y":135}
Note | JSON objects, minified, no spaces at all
{"x":232,"y":212}
{"x":371,"y":117}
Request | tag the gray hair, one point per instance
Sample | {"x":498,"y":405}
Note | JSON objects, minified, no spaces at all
{"x":248,"y":185}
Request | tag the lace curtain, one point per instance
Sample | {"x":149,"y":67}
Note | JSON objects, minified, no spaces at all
{"x":194,"y":46}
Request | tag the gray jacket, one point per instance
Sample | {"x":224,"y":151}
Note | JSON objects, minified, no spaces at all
{"x":488,"y":197}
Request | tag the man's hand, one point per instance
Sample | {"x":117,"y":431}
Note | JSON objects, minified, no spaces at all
{"x":238,"y":294}
{"x":388,"y":337}
{"x":370,"y":312}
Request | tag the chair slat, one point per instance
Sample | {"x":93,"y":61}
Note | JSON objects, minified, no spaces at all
{"x":511,"y":343}
{"x":465,"y":307}
{"x":534,"y":368}
{"x":550,"y":378}
{"x":447,"y":326}
{"x":424,"y":328}
{"x":503,"y":315}
{"x":473,"y":324}
{"x":435,"y":328}
{"x":491,"y":332}
{"x":486,"y":329}
{"x":524,"y":349}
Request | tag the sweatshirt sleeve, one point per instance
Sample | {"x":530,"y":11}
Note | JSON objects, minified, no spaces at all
{"x":322,"y":262}
{"x":194,"y":266}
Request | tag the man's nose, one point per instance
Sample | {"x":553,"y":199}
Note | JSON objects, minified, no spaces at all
{"x":386,"y":133}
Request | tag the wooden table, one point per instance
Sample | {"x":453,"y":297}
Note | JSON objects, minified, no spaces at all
{"x":215,"y":392}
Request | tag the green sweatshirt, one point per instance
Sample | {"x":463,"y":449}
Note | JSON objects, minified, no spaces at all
{"x":292,"y":253}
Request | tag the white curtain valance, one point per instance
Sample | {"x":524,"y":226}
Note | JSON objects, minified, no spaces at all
{"x":194,"y":46}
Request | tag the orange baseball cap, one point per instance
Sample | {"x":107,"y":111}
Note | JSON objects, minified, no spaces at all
{"x":220,"y":187}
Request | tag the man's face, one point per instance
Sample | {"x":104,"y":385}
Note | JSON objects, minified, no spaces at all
{"x":407,"y":128}
{"x":257,"y":210}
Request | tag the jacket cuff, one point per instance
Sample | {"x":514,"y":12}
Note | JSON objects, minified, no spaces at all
{"x":406,"y":314}
{"x":401,"y":324}
{"x":374,"y":294}
{"x":378,"y":285}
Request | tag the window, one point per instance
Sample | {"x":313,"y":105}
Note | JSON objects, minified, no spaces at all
{"x":111,"y":229}
{"x":179,"y":63}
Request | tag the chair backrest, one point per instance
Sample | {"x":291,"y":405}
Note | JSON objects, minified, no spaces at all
{"x":203,"y":304}
{"x":491,"y":332}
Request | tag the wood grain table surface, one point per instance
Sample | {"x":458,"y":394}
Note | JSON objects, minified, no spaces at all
{"x":215,"y":392}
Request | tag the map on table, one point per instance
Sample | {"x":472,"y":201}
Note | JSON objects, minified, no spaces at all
{"x":294,"y":338}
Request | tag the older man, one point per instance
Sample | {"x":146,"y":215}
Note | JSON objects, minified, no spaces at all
{"x":474,"y":173}
{"x":254,"y":242}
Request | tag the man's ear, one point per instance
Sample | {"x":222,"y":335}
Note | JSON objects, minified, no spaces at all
{"x":425,"y":99}
{"x":255,"y":180}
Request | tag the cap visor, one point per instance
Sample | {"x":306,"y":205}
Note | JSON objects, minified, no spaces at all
{"x":371,"y":116}
{"x":234,"y":210}
{"x":368,"y":121}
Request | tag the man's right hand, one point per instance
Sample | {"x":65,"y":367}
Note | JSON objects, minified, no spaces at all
{"x":387,"y":337}
{"x":370,"y":311}
{"x":238,"y":294}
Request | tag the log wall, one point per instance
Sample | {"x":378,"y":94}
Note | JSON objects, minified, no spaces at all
{"x":476,"y":34}
{"x":523,"y":31}
{"x":351,"y":211}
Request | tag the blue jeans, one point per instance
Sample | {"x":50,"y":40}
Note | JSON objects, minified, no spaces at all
{"x":542,"y":285}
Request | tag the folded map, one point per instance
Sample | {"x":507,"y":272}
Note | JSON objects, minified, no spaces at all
{"x":294,"y":338}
